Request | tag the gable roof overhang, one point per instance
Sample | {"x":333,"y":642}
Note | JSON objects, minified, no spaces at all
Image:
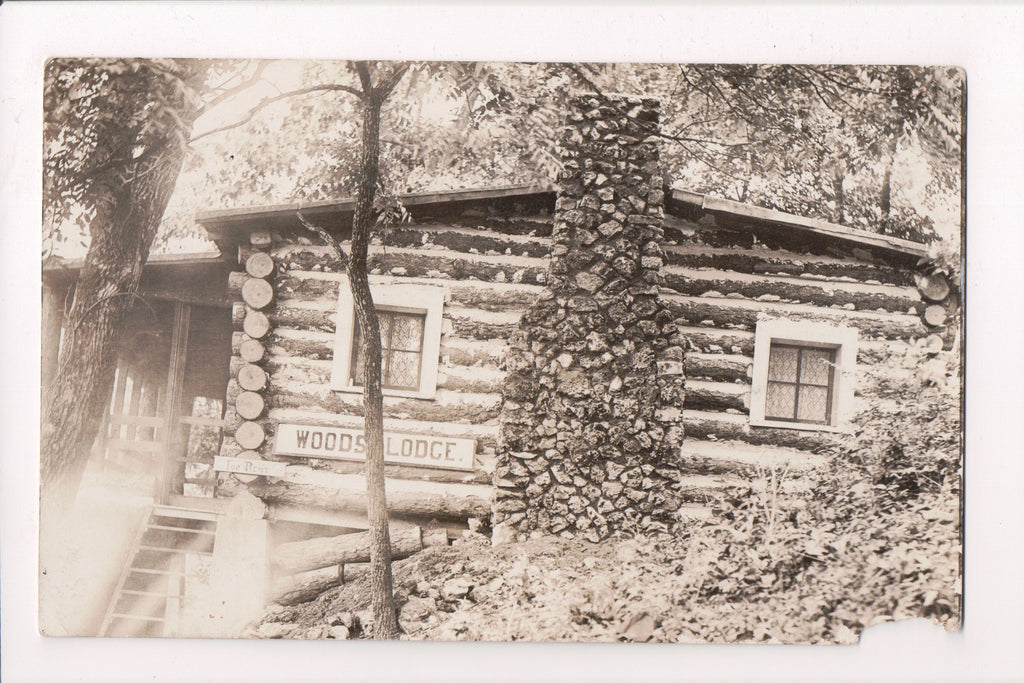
{"x":231,"y":227}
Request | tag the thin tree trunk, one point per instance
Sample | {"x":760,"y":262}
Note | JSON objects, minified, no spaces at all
{"x":885,"y":203}
{"x":385,"y":622}
{"x":837,"y":188}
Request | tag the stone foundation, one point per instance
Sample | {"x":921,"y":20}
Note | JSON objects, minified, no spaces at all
{"x":591,"y":421}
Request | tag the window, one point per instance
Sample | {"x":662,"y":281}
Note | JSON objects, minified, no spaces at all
{"x":401,"y":342}
{"x":803,"y":375}
{"x":410,"y":331}
{"x":800,"y":382}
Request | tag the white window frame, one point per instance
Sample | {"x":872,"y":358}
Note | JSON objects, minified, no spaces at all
{"x":402,"y":298}
{"x":810,"y":334}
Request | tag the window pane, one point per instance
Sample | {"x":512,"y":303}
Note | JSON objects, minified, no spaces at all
{"x":404,"y":370}
{"x":401,"y":348}
{"x":782,"y":363}
{"x":781,"y":400}
{"x":407,"y":332}
{"x":813,"y":404}
{"x":816,"y":366}
{"x":358,"y":364}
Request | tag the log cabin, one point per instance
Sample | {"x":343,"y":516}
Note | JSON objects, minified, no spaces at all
{"x":607,"y":357}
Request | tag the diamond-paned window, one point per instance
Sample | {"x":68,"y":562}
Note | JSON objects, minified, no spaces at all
{"x":401,"y":341}
{"x":800,"y":383}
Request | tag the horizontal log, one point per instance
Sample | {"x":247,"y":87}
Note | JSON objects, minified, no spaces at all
{"x":316,"y":553}
{"x":256,"y":324}
{"x":299,"y":588}
{"x":744,"y":314}
{"x":250,"y":435}
{"x":472,"y":380}
{"x":700,"y":455}
{"x":780,"y":261}
{"x":935,"y":315}
{"x":713,"y":482}
{"x":483,"y":475}
{"x":694,"y":282}
{"x":308,"y":344}
{"x":236,"y":280}
{"x":259,"y":265}
{"x":319,"y":345}
{"x":471,"y":323}
{"x":260,"y":239}
{"x":251,"y":377}
{"x":466,"y":239}
{"x":480,"y":380}
{"x":471,"y":352}
{"x":249,"y":405}
{"x":423,"y":504}
{"x":425,"y":262}
{"x":485,"y":435}
{"x":237,"y":315}
{"x":483,"y":294}
{"x":721,"y":367}
{"x":289,"y":314}
{"x":716,"y":426}
{"x":716,"y":396}
{"x":471,"y":410}
{"x":257,"y":293}
{"x":251,"y":350}
{"x":716,"y":340}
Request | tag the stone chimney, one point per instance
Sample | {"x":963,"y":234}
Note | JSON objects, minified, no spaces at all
{"x":592,"y":406}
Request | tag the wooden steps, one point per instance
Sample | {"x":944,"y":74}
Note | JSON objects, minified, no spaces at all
{"x":151,"y":590}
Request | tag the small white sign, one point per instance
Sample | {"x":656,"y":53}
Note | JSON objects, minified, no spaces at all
{"x":265,"y":468}
{"x":340,"y":443}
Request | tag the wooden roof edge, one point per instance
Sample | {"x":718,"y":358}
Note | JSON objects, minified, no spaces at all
{"x":58,"y":264}
{"x":346,"y":204}
{"x":813,"y":225}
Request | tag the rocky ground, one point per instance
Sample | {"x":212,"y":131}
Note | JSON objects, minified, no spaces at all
{"x":543,"y":589}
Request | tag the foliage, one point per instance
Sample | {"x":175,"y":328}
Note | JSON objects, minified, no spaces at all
{"x":104,"y":115}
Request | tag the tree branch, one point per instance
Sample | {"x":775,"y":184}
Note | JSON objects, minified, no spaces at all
{"x":231,"y":92}
{"x":362,"y":70}
{"x":392,"y":79}
{"x":327,"y":237}
{"x":267,"y":101}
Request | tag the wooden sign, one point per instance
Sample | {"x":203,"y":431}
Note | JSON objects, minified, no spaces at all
{"x":341,"y":443}
{"x":265,"y":468}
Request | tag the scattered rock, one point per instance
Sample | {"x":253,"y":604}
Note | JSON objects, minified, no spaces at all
{"x":455,"y":589}
{"x":639,"y":628}
{"x":417,"y":609}
{"x":339,"y":632}
{"x":601,"y":597}
{"x":274,"y":629}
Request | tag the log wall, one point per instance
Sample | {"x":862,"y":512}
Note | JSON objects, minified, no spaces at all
{"x":719,"y":282}
{"x":490,"y":273}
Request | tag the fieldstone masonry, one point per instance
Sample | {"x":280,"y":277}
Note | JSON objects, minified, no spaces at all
{"x":591,"y":422}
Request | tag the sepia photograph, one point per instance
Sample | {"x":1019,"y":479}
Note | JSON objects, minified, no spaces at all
{"x":500,"y":351}
{"x":587,"y":342}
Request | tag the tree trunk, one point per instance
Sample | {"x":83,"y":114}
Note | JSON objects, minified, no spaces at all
{"x":837,"y":188}
{"x":129,"y":199}
{"x":129,"y":212}
{"x":385,"y":621}
{"x":885,"y":203}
